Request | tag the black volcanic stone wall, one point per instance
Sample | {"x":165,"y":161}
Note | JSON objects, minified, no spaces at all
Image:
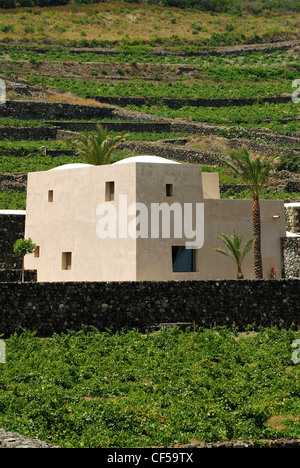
{"x":12,"y":227}
{"x":58,"y":307}
{"x":52,"y":110}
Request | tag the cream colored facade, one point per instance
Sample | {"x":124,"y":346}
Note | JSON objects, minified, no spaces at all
{"x":66,"y":217}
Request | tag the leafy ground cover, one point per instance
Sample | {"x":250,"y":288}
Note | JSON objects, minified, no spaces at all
{"x":180,"y":89}
{"x":12,"y":200}
{"x":126,"y":54}
{"x":98,"y":389}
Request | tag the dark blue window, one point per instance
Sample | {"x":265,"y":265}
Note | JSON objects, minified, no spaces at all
{"x":183,"y":259}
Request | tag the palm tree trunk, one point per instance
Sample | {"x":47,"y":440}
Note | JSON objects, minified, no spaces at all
{"x":258,"y":270}
{"x":239,"y":273}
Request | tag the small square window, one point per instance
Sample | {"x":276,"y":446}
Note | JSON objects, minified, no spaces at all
{"x":67,"y":261}
{"x":169,"y":190}
{"x":50,"y":196}
{"x":183,"y":259}
{"x":37,"y":252}
{"x":109,"y":191}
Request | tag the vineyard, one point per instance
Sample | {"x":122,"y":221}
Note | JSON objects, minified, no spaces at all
{"x":91,"y":389}
{"x":185,"y":84}
{"x":244,"y":93}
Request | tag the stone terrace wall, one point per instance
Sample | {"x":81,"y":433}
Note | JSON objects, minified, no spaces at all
{"x":28,"y":133}
{"x":292,"y":214}
{"x":58,"y":307}
{"x":291,"y":257}
{"x":52,"y":110}
{"x":12,"y":227}
{"x":176,"y":103}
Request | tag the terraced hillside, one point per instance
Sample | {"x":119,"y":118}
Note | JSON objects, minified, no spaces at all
{"x":180,"y":98}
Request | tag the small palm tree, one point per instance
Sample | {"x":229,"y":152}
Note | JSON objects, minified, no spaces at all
{"x":96,"y":148}
{"x":235,"y":250}
{"x":255,"y":172}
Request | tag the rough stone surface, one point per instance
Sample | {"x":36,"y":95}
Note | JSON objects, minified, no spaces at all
{"x":291,"y":257}
{"x":292,"y":214}
{"x":12,"y":227}
{"x":52,"y":110}
{"x":58,"y":307}
{"x":14,"y":440}
{"x":28,"y":133}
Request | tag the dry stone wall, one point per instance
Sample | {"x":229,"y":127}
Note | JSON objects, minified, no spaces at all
{"x":291,"y":257}
{"x":53,"y":110}
{"x":28,"y":133}
{"x":292,"y":214}
{"x":58,"y":307}
{"x":12,"y":227}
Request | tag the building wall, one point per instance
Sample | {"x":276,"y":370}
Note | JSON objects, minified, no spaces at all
{"x":68,"y":224}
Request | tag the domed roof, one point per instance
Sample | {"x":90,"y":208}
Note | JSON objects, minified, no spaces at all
{"x":146,"y":159}
{"x":71,"y":166}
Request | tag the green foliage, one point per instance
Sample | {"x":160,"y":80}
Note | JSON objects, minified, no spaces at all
{"x":266,"y":194}
{"x":235,"y":249}
{"x":99,"y":389}
{"x":97,"y":148}
{"x":254,"y":171}
{"x":12,"y":200}
{"x":24,"y":246}
{"x":290,"y":162}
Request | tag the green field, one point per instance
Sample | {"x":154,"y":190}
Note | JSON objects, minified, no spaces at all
{"x":98,"y":389}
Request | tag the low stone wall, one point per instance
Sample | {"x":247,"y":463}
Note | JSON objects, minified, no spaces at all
{"x":14,"y":276}
{"x":177,"y":103}
{"x":58,"y":307}
{"x":113,"y":126}
{"x":170,"y":151}
{"x":292,"y":214}
{"x":53,"y":110}
{"x":291,"y":257}
{"x":12,"y":227}
{"x":27,"y":133}
{"x":13,"y":181}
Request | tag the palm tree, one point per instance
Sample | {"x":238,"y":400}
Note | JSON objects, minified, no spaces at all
{"x":235,"y":251}
{"x":255,"y":171}
{"x":96,"y":148}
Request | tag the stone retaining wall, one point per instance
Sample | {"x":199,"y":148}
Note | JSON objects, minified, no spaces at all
{"x":292,"y":214}
{"x":12,"y":227}
{"x":58,"y":307}
{"x":177,"y":103}
{"x":27,"y":133}
{"x":52,"y":110}
{"x":291,"y":257}
{"x":13,"y":181}
{"x":170,"y":151}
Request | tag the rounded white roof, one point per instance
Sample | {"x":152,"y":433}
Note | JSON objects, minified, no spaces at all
{"x":71,"y":166}
{"x":146,"y":159}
